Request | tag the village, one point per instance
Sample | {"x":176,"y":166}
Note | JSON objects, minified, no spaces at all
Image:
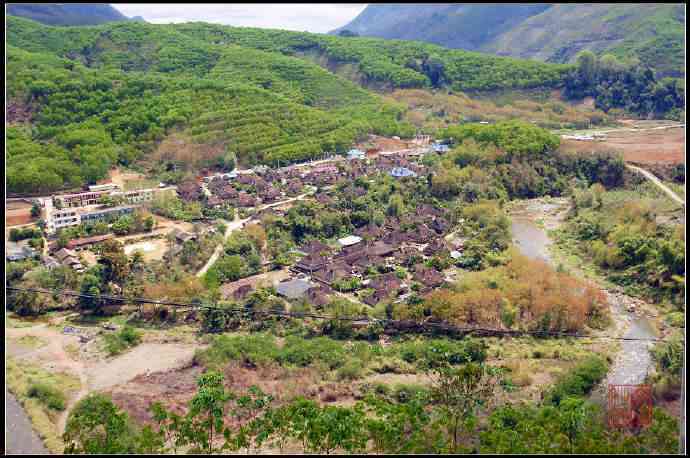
{"x":367,"y":266}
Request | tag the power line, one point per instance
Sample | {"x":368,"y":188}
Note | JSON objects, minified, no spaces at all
{"x":302,"y":315}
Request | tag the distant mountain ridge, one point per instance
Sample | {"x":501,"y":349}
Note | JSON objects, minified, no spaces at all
{"x":652,"y":33}
{"x":68,"y":13}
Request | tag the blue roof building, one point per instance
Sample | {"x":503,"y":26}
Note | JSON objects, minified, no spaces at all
{"x":440,"y":148}
{"x":355,"y":154}
{"x":402,"y":172}
{"x":19,"y":252}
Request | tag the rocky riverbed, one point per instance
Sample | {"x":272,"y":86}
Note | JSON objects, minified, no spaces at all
{"x":631,"y":317}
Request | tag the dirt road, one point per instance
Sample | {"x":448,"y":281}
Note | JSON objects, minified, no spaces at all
{"x":229,"y":229}
{"x":20,"y":438}
{"x":657,"y":182}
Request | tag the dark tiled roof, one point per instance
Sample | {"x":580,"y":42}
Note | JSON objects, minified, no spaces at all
{"x":242,"y":292}
{"x":311,"y":263}
{"x":315,"y":247}
{"x":427,"y":276}
{"x":380,"y":248}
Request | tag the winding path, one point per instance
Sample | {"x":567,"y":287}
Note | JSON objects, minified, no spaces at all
{"x":94,"y":375}
{"x":239,"y":224}
{"x":657,"y":182}
{"x":230,"y":228}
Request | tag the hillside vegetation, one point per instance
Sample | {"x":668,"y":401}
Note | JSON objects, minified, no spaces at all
{"x":395,"y":63}
{"x":67,"y":14}
{"x":138,"y":83}
{"x":130,"y":91}
{"x":650,"y":33}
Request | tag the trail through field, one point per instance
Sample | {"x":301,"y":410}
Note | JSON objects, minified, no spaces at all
{"x":657,"y":182}
{"x":229,"y":229}
{"x":95,"y":374}
{"x":236,"y":224}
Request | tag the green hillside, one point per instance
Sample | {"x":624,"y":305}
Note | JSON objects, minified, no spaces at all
{"x":652,"y":33}
{"x":113,"y":93}
{"x":67,"y":14}
{"x":394,"y":63}
{"x":125,"y":92}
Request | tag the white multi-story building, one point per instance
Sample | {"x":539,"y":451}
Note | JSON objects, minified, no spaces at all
{"x":85,"y":207}
{"x":64,"y":218}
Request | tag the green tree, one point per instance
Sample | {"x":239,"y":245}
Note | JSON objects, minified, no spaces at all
{"x":35,"y":210}
{"x":96,"y":425}
{"x":91,"y":285}
{"x":395,"y":205}
{"x":207,"y":409}
{"x":115,"y":264}
{"x":458,"y":392}
{"x":149,"y":223}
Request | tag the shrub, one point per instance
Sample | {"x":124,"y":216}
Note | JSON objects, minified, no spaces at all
{"x":579,"y":381}
{"x":47,"y":395}
{"x":431,"y":352}
{"x":303,"y":352}
{"x":351,"y":370}
{"x":667,"y":388}
{"x":676,"y":319}
{"x":669,"y":355}
{"x":406,"y":392}
{"x":117,"y":342}
{"x":253,"y":349}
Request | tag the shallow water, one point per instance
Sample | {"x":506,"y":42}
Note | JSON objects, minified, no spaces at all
{"x":530,"y":238}
{"x":633,"y":362}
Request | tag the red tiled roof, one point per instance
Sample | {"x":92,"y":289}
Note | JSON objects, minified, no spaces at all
{"x":88,"y":240}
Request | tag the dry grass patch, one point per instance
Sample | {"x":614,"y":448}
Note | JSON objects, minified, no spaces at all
{"x":434,"y":109}
{"x":31,"y":341}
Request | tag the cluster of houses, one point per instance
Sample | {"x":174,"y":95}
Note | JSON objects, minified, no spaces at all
{"x":322,"y":269}
{"x":267,"y":186}
{"x":65,"y":257}
{"x":407,"y":242}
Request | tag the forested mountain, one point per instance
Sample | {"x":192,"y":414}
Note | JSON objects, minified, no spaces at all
{"x":183,"y":96}
{"x":652,"y":33}
{"x":68,"y":13}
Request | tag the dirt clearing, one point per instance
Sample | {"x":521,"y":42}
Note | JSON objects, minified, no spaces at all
{"x":18,"y":212}
{"x":650,"y":146}
{"x":120,"y":177}
{"x":385,"y":144}
{"x":142,"y":359}
{"x":152,"y":250}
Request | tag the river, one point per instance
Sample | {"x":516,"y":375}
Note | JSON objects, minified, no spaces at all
{"x":633,"y":360}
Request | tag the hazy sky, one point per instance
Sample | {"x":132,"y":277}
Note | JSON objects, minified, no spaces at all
{"x":300,"y":17}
